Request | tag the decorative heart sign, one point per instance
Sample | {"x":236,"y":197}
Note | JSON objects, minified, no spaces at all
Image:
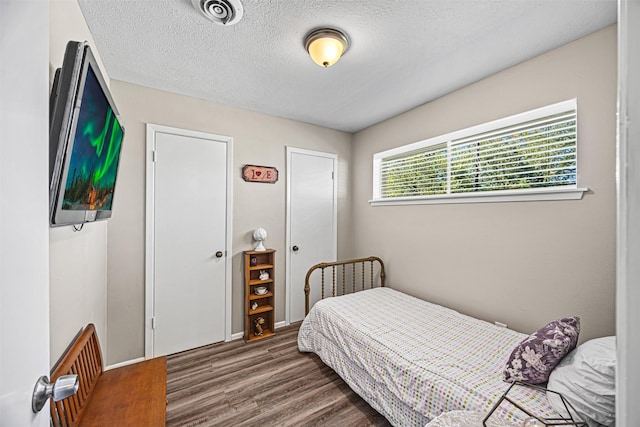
{"x":266,"y":174}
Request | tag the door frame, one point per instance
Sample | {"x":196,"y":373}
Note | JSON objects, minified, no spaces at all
{"x":290,"y":151}
{"x":628,"y":207}
{"x":152,"y":130}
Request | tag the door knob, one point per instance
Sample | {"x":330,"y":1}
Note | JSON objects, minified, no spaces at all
{"x":65,"y":386}
{"x":295,"y":248}
{"x":219,"y":254}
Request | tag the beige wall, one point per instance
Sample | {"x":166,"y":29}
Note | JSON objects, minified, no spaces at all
{"x":78,"y":260}
{"x":257,"y":139}
{"x":524,"y":263}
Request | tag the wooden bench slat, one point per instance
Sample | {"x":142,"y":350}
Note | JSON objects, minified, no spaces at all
{"x":78,"y":368}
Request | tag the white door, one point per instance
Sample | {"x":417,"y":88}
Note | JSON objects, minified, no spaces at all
{"x":189,"y":265}
{"x":24,"y":205}
{"x":311,"y":221}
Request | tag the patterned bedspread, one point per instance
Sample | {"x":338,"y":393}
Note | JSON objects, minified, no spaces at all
{"x":411,"y":360}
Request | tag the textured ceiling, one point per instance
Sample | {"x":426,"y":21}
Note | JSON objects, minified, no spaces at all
{"x":403,"y":52}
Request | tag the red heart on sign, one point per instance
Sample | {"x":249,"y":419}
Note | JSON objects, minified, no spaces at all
{"x":258,"y":173}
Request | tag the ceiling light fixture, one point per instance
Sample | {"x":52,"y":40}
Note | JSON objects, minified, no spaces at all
{"x":326,"y":46}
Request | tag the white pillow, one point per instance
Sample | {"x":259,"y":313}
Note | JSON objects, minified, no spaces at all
{"x":586,"y":378}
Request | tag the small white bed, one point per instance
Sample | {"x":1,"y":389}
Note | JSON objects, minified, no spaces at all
{"x":412,"y":360}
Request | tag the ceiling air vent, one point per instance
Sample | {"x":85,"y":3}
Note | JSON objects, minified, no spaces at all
{"x":223,"y":12}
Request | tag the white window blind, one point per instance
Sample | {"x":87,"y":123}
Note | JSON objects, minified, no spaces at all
{"x":522,"y":153}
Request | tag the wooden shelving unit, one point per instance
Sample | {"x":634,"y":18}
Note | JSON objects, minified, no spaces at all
{"x":256,"y":262}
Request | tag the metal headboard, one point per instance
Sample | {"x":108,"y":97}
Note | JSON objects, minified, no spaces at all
{"x":334,"y":271}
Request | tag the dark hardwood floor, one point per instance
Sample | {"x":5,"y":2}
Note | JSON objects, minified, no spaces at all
{"x":266,"y":383}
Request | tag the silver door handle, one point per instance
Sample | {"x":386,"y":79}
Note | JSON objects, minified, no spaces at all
{"x":65,"y":386}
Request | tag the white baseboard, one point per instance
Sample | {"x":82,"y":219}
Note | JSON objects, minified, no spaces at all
{"x":125,"y":363}
{"x":240,"y":335}
{"x":236,"y":336}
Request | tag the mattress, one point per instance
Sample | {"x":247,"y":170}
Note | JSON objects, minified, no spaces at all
{"x":412,"y":360}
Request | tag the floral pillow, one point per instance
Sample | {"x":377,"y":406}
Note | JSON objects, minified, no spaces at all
{"x":535,"y":357}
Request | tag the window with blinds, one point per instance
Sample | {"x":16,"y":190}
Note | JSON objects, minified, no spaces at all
{"x":525,"y":153}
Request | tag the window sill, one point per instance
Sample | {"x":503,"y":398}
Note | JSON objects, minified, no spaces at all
{"x":487,"y":197}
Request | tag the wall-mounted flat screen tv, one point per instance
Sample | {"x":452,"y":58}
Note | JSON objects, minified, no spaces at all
{"x":85,"y":141}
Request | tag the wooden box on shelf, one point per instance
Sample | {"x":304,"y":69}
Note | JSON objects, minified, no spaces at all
{"x":259,"y":272}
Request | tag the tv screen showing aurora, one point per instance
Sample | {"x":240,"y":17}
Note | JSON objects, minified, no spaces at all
{"x":96,"y":150}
